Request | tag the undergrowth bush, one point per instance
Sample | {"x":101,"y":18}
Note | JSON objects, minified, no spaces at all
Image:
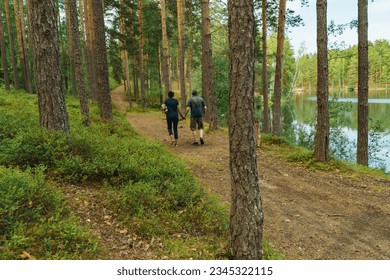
{"x":34,"y":219}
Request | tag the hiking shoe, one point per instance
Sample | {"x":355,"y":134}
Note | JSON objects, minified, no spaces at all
{"x":195,"y":143}
{"x":201,"y":141}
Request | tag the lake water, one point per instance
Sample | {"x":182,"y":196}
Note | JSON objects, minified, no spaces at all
{"x":378,"y":107}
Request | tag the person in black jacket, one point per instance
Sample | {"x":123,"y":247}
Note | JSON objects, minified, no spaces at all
{"x":171,"y":108}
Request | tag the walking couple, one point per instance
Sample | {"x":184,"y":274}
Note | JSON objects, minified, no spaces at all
{"x":197,"y":107}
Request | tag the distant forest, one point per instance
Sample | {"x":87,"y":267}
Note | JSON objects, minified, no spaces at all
{"x":343,"y":67}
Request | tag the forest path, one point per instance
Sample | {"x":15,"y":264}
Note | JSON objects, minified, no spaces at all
{"x":307,"y":214}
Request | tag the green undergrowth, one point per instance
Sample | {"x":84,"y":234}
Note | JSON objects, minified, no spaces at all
{"x":35,"y":222}
{"x":281,"y":148}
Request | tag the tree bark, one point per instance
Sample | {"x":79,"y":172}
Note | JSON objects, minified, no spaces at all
{"x":11,"y":46}
{"x":134,"y":62}
{"x":25,"y":50}
{"x":88,"y":47}
{"x":321,"y":139}
{"x":180,"y":22}
{"x":208,"y":87}
{"x":276,"y":126}
{"x":246,"y":215}
{"x":141,"y":53}
{"x":4,"y":54}
{"x":188,"y":68}
{"x":160,"y":82}
{"x":70,"y":50}
{"x":102,"y":86}
{"x":82,"y":21}
{"x":125,"y":56}
{"x":165,"y":60}
{"x":362,"y":142}
{"x":264,"y":77}
{"x":22,"y":53}
{"x":51,"y":99}
{"x":77,"y":59}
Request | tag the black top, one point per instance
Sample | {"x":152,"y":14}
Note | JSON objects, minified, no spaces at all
{"x":172,"y":105}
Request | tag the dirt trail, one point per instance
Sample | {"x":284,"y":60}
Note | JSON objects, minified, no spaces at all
{"x":308,"y":214}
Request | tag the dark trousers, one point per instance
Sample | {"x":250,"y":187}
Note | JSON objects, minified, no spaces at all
{"x":172,"y":123}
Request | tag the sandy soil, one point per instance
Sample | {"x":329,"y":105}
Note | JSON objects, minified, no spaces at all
{"x":308,"y":214}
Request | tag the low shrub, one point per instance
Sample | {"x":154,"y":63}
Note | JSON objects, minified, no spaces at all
{"x":35,"y":219}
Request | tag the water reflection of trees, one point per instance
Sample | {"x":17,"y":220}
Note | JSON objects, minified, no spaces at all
{"x":305,"y":105}
{"x":299,"y":127}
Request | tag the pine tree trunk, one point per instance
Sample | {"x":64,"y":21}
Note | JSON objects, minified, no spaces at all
{"x":264,"y":77}
{"x":102,"y":86}
{"x":51,"y":99}
{"x":246,"y":215}
{"x":25,"y":50}
{"x":141,"y":54}
{"x":180,"y":22}
{"x":159,"y":70}
{"x":208,"y":88}
{"x":276,"y":126}
{"x":70,"y":50}
{"x":188,"y":68}
{"x":134,"y":62}
{"x":88,"y":47}
{"x":362,"y":142}
{"x":4,"y":54}
{"x":125,"y":67}
{"x":165,"y":62}
{"x":11,"y":46}
{"x":125,"y":57}
{"x":321,"y":139}
{"x":22,"y":58}
{"x":82,"y":20}
{"x":135,"y":79}
{"x":65,"y":67}
{"x":78,"y":60}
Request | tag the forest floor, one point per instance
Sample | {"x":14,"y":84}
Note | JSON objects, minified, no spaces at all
{"x":308,"y":214}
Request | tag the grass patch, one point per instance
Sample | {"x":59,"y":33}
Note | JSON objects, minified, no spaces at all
{"x":270,"y":253}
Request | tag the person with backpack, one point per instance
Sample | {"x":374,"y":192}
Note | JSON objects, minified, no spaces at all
{"x":198,"y":108}
{"x":171,"y":109}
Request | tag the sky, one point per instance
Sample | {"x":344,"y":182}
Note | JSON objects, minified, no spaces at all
{"x":341,"y":12}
